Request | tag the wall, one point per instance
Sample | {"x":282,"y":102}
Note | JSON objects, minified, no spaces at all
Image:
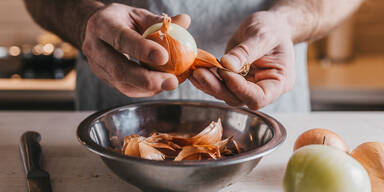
{"x":369,"y":28}
{"x":16,"y":26}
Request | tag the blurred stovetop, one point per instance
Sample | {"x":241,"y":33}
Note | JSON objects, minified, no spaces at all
{"x":38,"y":77}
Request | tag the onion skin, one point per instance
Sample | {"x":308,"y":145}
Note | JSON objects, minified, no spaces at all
{"x":183,"y":54}
{"x":206,"y":60}
{"x":131,"y":145}
{"x":149,"y":152}
{"x":178,"y":42}
{"x":371,"y":156}
{"x":210,"y":135}
{"x":320,"y":168}
{"x":180,"y":57}
{"x":323,"y":137}
{"x":160,"y":146}
{"x":191,"y":150}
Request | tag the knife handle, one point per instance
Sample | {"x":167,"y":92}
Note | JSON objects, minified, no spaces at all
{"x":30,"y":151}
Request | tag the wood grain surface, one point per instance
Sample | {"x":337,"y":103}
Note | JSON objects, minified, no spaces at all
{"x":73,"y":168}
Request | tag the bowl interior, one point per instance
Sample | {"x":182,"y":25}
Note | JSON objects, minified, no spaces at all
{"x":251,"y":130}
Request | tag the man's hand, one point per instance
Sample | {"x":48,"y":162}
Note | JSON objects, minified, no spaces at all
{"x":264,"y":41}
{"x":113,"y":35}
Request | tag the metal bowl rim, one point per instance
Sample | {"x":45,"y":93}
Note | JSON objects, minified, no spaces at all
{"x":279,"y":136}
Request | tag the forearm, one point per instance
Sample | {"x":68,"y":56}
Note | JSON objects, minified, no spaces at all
{"x":66,"y":18}
{"x":312,"y":19}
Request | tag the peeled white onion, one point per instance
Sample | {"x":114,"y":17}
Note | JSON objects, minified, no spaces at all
{"x":176,"y":32}
{"x":320,"y":168}
{"x":180,"y":45}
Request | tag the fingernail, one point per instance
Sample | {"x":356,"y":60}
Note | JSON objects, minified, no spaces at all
{"x":158,"y":58}
{"x":169,"y":84}
{"x":231,"y":62}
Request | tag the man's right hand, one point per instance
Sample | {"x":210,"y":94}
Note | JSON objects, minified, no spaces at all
{"x":113,"y":35}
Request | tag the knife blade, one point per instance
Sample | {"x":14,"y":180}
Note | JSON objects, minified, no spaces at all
{"x":31,"y":155}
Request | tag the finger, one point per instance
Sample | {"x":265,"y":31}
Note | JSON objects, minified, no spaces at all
{"x":247,"y":52}
{"x":231,"y":44}
{"x":128,"y":41}
{"x":268,"y":74}
{"x":197,"y":85}
{"x":145,"y":19}
{"x":254,"y":95}
{"x":127,"y":76}
{"x":209,"y":84}
{"x":183,"y":20}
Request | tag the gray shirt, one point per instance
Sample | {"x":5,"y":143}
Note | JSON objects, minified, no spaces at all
{"x":213,"y":23}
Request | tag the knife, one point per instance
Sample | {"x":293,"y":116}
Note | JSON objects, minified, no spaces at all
{"x":31,"y":156}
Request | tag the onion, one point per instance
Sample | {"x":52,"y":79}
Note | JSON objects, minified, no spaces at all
{"x":371,"y":156}
{"x":321,"y":136}
{"x":179,"y":43}
{"x":184,"y":56}
{"x":320,"y":168}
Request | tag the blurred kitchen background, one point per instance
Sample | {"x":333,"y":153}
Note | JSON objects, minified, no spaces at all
{"x":346,"y":68}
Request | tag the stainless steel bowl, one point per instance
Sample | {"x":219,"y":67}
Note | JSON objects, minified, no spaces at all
{"x":256,"y":132}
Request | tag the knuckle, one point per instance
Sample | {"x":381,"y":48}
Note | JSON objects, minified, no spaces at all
{"x":114,"y":4}
{"x":118,"y":40}
{"x":244,"y":53}
{"x":116,"y":73}
{"x":141,"y":49}
{"x":151,"y":84}
{"x":93,"y":22}
{"x":257,"y":103}
{"x":242,"y":90}
{"x":204,"y":82}
{"x":267,"y":36}
{"x":126,"y":90}
{"x":138,"y":11}
{"x":100,"y":18}
{"x":254,"y":105}
{"x":232,"y":103}
{"x":87,"y":48}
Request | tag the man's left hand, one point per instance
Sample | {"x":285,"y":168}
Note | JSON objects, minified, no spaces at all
{"x":264,"y":41}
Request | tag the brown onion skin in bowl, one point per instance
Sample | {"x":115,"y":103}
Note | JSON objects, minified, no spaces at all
{"x":257,"y":133}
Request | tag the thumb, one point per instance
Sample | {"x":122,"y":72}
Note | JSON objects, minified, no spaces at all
{"x":183,"y":20}
{"x":246,"y":53}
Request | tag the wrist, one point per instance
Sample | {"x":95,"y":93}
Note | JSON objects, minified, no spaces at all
{"x":88,"y":8}
{"x":301,"y":23}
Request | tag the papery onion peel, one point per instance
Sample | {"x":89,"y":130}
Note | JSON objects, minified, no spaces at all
{"x":371,"y":156}
{"x":159,"y":146}
{"x":184,"y":56}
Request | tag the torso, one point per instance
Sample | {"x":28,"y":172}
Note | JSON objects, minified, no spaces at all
{"x":213,"y":23}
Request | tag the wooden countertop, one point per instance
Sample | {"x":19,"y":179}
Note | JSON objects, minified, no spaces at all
{"x":73,"y":168}
{"x":65,"y":84}
{"x":360,"y":81}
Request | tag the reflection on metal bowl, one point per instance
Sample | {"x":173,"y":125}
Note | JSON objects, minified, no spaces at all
{"x":257,"y":133}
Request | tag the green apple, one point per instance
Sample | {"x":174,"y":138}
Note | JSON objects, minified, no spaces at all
{"x":320,"y":168}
